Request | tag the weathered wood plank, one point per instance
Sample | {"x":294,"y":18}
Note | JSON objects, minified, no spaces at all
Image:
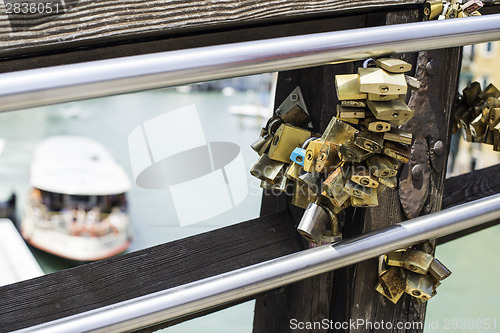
{"x":86,"y":22}
{"x":139,"y":273}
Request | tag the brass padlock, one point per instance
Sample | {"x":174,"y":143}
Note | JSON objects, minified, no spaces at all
{"x":490,"y":91}
{"x":314,"y":221}
{"x":267,"y":169}
{"x":348,"y":88}
{"x":378,"y":81}
{"x":471,"y":93}
{"x":393,"y":65}
{"x":438,"y":271}
{"x":357,"y":190}
{"x":353,"y":104}
{"x":371,"y":201}
{"x":293,"y":109}
{"x":285,"y":140}
{"x":293,"y":171}
{"x":328,"y":157}
{"x":312,"y":151}
{"x":398,"y":151}
{"x":414,"y":260}
{"x":390,"y":182}
{"x":353,"y":121}
{"x":494,"y":118}
{"x":350,"y":112}
{"x":398,"y":135}
{"x":303,"y":195}
{"x":432,"y":9}
{"x":381,"y":166}
{"x":380,"y":97}
{"x":396,"y":111}
{"x":362,"y":176}
{"x":478,"y":127}
{"x":333,"y":187}
{"x":350,"y":152}
{"x":339,"y":132}
{"x":392,"y":283}
{"x":377,"y":126}
{"x":369,"y":141}
{"x":496,"y":137}
{"x":419,"y":285}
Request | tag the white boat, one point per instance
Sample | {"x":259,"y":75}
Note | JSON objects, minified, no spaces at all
{"x":77,"y":206}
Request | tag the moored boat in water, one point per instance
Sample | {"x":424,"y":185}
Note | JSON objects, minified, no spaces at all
{"x":77,"y":206}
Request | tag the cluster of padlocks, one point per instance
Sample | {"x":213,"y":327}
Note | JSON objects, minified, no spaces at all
{"x":478,"y":115}
{"x":412,"y":271}
{"x":443,"y":9}
{"x":356,"y":157}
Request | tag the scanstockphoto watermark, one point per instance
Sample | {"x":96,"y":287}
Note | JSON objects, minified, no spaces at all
{"x":356,"y":324}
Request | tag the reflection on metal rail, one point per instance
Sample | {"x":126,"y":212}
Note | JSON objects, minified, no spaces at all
{"x":115,"y":76}
{"x":203,"y":294}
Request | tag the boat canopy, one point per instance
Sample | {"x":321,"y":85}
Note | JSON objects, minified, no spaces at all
{"x":77,"y":166}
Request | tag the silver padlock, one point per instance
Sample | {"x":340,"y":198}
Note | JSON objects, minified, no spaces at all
{"x":314,"y":221}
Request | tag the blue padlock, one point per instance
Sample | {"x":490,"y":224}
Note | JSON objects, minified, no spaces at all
{"x":298,"y":155}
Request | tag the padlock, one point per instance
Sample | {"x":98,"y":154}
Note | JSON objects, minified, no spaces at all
{"x":333,"y":187}
{"x":371,"y":201}
{"x":490,"y":91}
{"x":350,"y":152}
{"x":471,"y":6}
{"x":398,"y":135}
{"x":362,"y":176}
{"x":293,"y":171}
{"x":261,"y":145}
{"x":396,"y":111}
{"x":279,"y":183}
{"x":414,"y":260}
{"x":382,"y":167}
{"x":377,"y":126}
{"x":339,"y":132}
{"x":327,"y":238}
{"x":328,"y":157}
{"x":369,"y":141}
{"x":392,"y":283}
{"x":464,"y":121}
{"x":293,"y":110}
{"x":314,"y":221}
{"x":419,"y":285}
{"x":357,"y":190}
{"x":353,"y":121}
{"x":393,"y":65}
{"x":312,"y":152}
{"x":267,"y":169}
{"x":353,"y":104}
{"x":478,"y":126}
{"x":381,"y":97}
{"x":390,"y":182}
{"x":347,"y":87}
{"x":496,"y":137}
{"x":494,"y":118}
{"x":285,"y":140}
{"x":397,"y":151}
{"x":302,"y":195}
{"x":298,"y":155}
{"x":438,"y":271}
{"x":378,"y":81}
{"x":471,"y":93}
{"x":491,"y":102}
{"x":350,"y":112}
{"x":432,"y":9}
{"x":412,"y":82}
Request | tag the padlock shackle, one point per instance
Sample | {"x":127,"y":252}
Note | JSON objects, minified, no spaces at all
{"x":66,"y":83}
{"x":242,"y":283}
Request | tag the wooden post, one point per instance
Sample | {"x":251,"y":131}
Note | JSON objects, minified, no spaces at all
{"x":348,"y":294}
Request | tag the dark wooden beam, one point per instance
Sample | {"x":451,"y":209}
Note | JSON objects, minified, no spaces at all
{"x":117,"y":279}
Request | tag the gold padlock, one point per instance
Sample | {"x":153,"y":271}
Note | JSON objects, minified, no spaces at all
{"x":350,"y":152}
{"x":328,"y":157}
{"x":496,"y":137}
{"x":350,"y":112}
{"x":353,"y":104}
{"x":490,"y":91}
{"x":293,"y":110}
{"x":414,"y":260}
{"x":494,"y":118}
{"x":293,"y":171}
{"x":393,"y":65}
{"x":333,"y":187}
{"x":348,"y":88}
{"x":398,"y":135}
{"x":377,"y":126}
{"x":471,"y":93}
{"x":390,"y":182}
{"x":312,"y":152}
{"x":380,"y":97}
{"x":303,"y":195}
{"x":478,"y":127}
{"x":339,"y":132}
{"x":382,"y":167}
{"x":369,"y":141}
{"x":285,"y":140}
{"x":357,"y":190}
{"x":392,"y":283}
{"x":398,"y":151}
{"x":361,"y":175}
{"x":378,"y":81}
{"x":438,"y":271}
{"x":419,"y":285}
{"x":371,"y":201}
{"x":353,"y":121}
{"x":267,"y":169}
{"x":396,"y":111}
{"x":432,"y":9}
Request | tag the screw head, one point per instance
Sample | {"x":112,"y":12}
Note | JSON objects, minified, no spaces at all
{"x":416,"y":171}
